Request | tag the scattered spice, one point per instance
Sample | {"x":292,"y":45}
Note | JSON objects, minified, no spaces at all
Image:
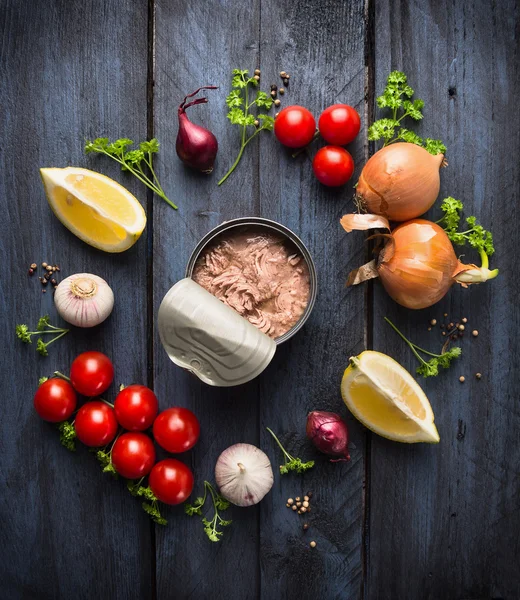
{"x":257,"y":71}
{"x":464,"y":320}
{"x":44,"y":265}
{"x":462,"y":379}
{"x":312,"y":544}
{"x":474,"y":333}
{"x":286,"y":81}
{"x":478,"y":375}
{"x":34,"y":266}
{"x":305,"y":526}
{"x":290,"y":501}
{"x":256,"y":77}
{"x":277,"y":102}
{"x":433,"y":322}
{"x":281,"y":91}
{"x":431,"y":367}
{"x":31,"y":271}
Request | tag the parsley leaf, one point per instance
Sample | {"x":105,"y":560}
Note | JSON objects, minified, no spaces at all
{"x":152,"y":506}
{"x":429,"y":368}
{"x":475,"y":235}
{"x":67,"y":435}
{"x":137,"y":161}
{"x":397,"y":97}
{"x":211,"y":527}
{"x":43,"y":327}
{"x":291,"y":463}
{"x":240,"y":104}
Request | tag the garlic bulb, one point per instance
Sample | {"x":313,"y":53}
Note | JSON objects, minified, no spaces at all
{"x":244,"y":474}
{"x":84,"y":300}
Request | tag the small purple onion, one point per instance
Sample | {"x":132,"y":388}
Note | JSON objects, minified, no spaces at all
{"x":196,"y":146}
{"x":329,"y":433}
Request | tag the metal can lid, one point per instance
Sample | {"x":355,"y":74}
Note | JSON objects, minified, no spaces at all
{"x":203,"y":335}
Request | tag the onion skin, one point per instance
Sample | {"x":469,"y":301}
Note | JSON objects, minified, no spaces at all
{"x":417,"y":266}
{"x":196,"y":146}
{"x":329,"y":434}
{"x":400,"y":182}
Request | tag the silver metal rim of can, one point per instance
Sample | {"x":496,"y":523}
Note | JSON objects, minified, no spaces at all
{"x":243,"y":221}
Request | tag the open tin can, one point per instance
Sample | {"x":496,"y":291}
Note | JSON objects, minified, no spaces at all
{"x":203,"y":335}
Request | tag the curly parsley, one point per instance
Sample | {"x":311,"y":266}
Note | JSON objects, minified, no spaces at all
{"x":44,"y":327}
{"x":211,"y":528}
{"x":291,"y":463}
{"x":135,"y":161}
{"x":397,"y":97}
{"x":429,"y":368}
{"x":240,"y":105}
{"x":152,"y":506}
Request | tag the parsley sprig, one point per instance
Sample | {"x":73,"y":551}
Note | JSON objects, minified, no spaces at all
{"x":397,"y":97}
{"x":211,"y":528}
{"x":291,"y":463}
{"x":137,"y":161}
{"x":430,"y":368}
{"x":152,"y":506}
{"x":240,"y":105}
{"x":44,"y":327}
{"x":476,"y":235}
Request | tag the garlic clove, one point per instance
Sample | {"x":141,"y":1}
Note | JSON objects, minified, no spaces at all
{"x":84,"y":300}
{"x":244,"y":474}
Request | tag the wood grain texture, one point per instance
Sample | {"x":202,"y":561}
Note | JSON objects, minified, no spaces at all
{"x":199,"y":44}
{"x":445,"y":519}
{"x":68,"y":74}
{"x":321,"y":46}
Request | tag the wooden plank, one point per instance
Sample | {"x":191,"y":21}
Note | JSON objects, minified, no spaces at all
{"x":445,"y":519}
{"x":199,"y":44}
{"x":321,"y":46}
{"x":70,"y":71}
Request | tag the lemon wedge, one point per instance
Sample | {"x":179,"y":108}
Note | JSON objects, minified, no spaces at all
{"x":386,"y":398}
{"x":94,"y":207}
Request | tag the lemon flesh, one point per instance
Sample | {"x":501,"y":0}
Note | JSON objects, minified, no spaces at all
{"x":387,"y":400}
{"x":94,"y":207}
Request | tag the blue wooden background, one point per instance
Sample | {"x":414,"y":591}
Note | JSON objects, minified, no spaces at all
{"x":397,"y":522}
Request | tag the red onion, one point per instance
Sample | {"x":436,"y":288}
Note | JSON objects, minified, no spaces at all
{"x":196,"y":146}
{"x":329,"y":433}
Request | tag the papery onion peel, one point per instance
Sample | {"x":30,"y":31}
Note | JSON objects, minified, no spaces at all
{"x":400,"y":182}
{"x":417,"y":264}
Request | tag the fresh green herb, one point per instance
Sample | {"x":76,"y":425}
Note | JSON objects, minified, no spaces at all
{"x":239,"y":104}
{"x":105,"y":459}
{"x":42,"y":380}
{"x":136,"y":161}
{"x":291,"y":463}
{"x":152,"y":506}
{"x":397,"y":97}
{"x":43,"y":328}
{"x":67,"y":435}
{"x":430,"y":368}
{"x":219,"y":504}
{"x":476,"y":235}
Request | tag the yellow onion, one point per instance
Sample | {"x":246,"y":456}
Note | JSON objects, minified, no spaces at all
{"x":417,"y":264}
{"x":400,"y":182}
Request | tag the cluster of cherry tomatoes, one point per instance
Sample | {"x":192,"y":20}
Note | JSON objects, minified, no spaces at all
{"x":338,"y":125}
{"x":135,"y":410}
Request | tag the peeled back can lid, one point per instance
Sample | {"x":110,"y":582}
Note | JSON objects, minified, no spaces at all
{"x":203,"y":335}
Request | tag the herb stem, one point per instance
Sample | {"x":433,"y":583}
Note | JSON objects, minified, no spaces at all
{"x":412,"y":346}
{"x":287,"y":456}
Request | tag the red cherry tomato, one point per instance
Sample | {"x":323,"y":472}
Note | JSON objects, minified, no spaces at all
{"x":294,"y":126}
{"x":333,"y":166}
{"x":133,"y":455}
{"x":176,"y":429}
{"x":95,"y":424}
{"x":136,"y":407}
{"x":171,"y":481}
{"x":339,"y":124}
{"x":91,"y":373}
{"x":55,"y":400}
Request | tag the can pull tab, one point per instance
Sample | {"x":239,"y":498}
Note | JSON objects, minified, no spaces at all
{"x":203,"y":335}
